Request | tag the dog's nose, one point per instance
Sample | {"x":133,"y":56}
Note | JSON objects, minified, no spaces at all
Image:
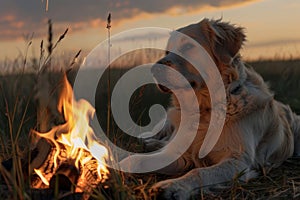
{"x":164,"y":61}
{"x":158,"y":67}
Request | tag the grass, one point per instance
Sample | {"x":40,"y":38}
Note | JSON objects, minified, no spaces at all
{"x":18,"y":115}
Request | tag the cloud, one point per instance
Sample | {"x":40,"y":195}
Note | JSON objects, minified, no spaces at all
{"x":18,"y":16}
{"x":278,"y":42}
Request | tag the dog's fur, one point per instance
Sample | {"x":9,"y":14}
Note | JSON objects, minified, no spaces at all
{"x":259,"y":132}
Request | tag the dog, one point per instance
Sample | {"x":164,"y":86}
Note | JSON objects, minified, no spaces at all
{"x":259,"y":132}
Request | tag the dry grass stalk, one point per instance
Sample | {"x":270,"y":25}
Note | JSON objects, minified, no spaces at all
{"x":108,"y":26}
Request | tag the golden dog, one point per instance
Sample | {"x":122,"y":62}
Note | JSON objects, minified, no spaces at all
{"x":259,"y":132}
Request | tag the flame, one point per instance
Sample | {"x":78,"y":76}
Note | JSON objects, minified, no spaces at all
{"x":76,"y":136}
{"x":43,"y":178}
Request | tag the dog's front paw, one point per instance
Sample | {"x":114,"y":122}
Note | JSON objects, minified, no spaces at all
{"x":170,"y":189}
{"x":154,"y":142}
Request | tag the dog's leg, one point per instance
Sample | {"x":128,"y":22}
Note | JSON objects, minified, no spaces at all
{"x":161,"y":162}
{"x":190,"y":184}
{"x":164,"y":132}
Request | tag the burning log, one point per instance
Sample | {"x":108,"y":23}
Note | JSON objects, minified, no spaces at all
{"x":75,"y":161}
{"x":67,"y":172}
{"x":48,"y":91}
{"x":65,"y":177}
{"x":39,"y":154}
{"x":66,"y":157}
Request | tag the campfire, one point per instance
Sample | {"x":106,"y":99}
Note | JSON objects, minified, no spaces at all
{"x":76,"y":161}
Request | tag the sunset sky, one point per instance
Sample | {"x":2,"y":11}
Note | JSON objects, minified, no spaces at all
{"x":272,"y":26}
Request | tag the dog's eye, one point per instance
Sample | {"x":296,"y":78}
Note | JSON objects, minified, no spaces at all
{"x":186,"y":47}
{"x":167,"y":52}
{"x":237,"y":90}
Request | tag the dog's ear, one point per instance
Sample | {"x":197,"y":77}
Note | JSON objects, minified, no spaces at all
{"x":225,"y":40}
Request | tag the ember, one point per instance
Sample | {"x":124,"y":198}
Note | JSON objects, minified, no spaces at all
{"x":76,"y":162}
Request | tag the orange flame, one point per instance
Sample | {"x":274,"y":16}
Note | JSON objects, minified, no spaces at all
{"x":43,"y":178}
{"x":75,"y":135}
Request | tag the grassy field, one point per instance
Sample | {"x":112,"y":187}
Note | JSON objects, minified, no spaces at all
{"x":18,"y":116}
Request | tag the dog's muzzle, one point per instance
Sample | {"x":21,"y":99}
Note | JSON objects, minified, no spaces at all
{"x":167,"y":80}
{"x":159,"y":74}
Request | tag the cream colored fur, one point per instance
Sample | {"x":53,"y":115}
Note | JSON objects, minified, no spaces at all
{"x":259,"y":132}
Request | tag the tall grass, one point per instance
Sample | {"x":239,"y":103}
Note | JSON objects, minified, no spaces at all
{"x":108,"y":26}
{"x":18,"y":116}
{"x":14,"y":135}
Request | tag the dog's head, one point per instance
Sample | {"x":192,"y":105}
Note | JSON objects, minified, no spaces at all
{"x":222,"y":41}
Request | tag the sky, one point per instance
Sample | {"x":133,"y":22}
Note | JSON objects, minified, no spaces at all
{"x":272,"y":26}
